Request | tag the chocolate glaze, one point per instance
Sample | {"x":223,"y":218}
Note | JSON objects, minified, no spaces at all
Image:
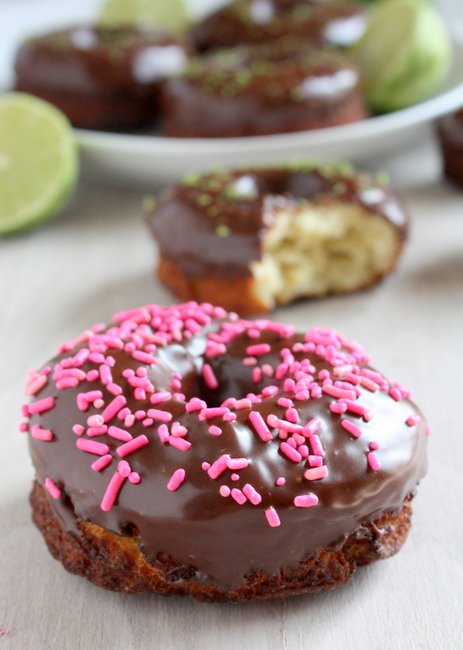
{"x":278,"y":88}
{"x":450,"y":130}
{"x":219,"y":540}
{"x":263,"y":21}
{"x":214,"y":225}
{"x":84,"y":63}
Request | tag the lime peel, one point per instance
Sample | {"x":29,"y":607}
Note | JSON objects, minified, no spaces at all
{"x":38,"y":161}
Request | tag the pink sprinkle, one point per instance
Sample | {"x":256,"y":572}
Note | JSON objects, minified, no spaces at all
{"x":237,"y":463}
{"x":124,"y":468}
{"x":373,"y":461}
{"x":316,"y":473}
{"x":413,"y":420}
{"x":179,"y":430}
{"x":112,"y":491}
{"x":179,"y":443}
{"x":105,"y":374}
{"x":316,"y":445}
{"x":229,"y":417}
{"x":67,"y":382}
{"x":92,"y":375}
{"x":306,"y":500}
{"x":234,"y":476}
{"x":92,"y":446}
{"x":176,"y":479}
{"x":52,"y":488}
{"x":158,"y":398}
{"x":396,"y":395}
{"x":214,"y":430}
{"x":162,"y":416}
{"x":238,"y":496}
{"x":93,"y":432}
{"x":312,"y":427}
{"x":218,"y":467}
{"x":35,"y":384}
{"x":119,"y":434}
{"x":285,"y":402}
{"x":95,"y":421}
{"x":328,"y":389}
{"x":78,"y":429}
{"x":244,"y":403}
{"x":352,"y":428}
{"x":144,"y":357}
{"x":98,"y":403}
{"x":256,"y":375}
{"x":113,"y":408}
{"x":373,"y":445}
{"x":280,"y":481}
{"x":209,"y":377}
{"x":354,"y":407}
{"x":315,"y":461}
{"x":101,"y":462}
{"x":114,"y":389}
{"x":131,"y":446}
{"x":260,"y":426}
{"x":195,"y":404}
{"x":369,"y":384}
{"x":163,"y":433}
{"x":23,"y":427}
{"x":224,"y":491}
{"x":205,"y":466}
{"x":249,"y":361}
{"x":338,"y":408}
{"x":303,"y":450}
{"x":134,"y":477}
{"x":258,"y":349}
{"x":41,"y":434}
{"x":283,"y":425}
{"x":292,"y":415}
{"x":42,"y":405}
{"x":272,"y":517}
{"x":254,"y":497}
{"x":290,"y":453}
{"x":217,"y":412}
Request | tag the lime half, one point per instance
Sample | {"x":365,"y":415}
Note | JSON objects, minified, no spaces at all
{"x":404,"y":54}
{"x":38,"y":161}
{"x":168,"y":14}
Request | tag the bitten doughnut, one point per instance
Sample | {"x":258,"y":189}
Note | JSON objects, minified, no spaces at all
{"x":319,"y":24}
{"x":253,"y":238}
{"x":183,"y":450}
{"x":259,"y":90}
{"x":101,"y":78}
{"x":450,"y":131}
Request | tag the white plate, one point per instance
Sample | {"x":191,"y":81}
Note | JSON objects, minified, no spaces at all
{"x":152,"y":158}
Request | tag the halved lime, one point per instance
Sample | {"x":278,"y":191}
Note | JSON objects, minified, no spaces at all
{"x":404,"y":54}
{"x":169,"y":14}
{"x":38,"y":161}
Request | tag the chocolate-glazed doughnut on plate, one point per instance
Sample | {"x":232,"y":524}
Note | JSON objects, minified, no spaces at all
{"x":101,"y":77}
{"x":183,"y":450}
{"x":277,"y":88}
{"x":314,"y":22}
{"x":252,"y":238}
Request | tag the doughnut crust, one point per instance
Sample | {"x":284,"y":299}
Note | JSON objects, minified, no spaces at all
{"x":116,"y":563}
{"x":185,"y":450}
{"x":319,"y":24}
{"x":101,"y":78}
{"x":259,"y":90}
{"x":253,"y":238}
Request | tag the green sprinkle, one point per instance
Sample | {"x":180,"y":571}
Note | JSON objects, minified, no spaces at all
{"x":148,"y":203}
{"x":191,"y":179}
{"x":382,"y":178}
{"x":222,"y":230}
{"x":203,"y":200}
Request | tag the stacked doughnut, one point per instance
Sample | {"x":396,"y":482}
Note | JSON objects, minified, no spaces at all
{"x":184,"y":450}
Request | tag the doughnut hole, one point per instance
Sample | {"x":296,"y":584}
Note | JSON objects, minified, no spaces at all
{"x":314,"y":250}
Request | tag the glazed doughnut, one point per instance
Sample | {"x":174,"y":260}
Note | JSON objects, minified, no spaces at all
{"x":101,"y":78}
{"x":252,"y":238}
{"x":450,"y":131}
{"x":183,"y":450}
{"x":317,"y":23}
{"x":260,"y":90}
